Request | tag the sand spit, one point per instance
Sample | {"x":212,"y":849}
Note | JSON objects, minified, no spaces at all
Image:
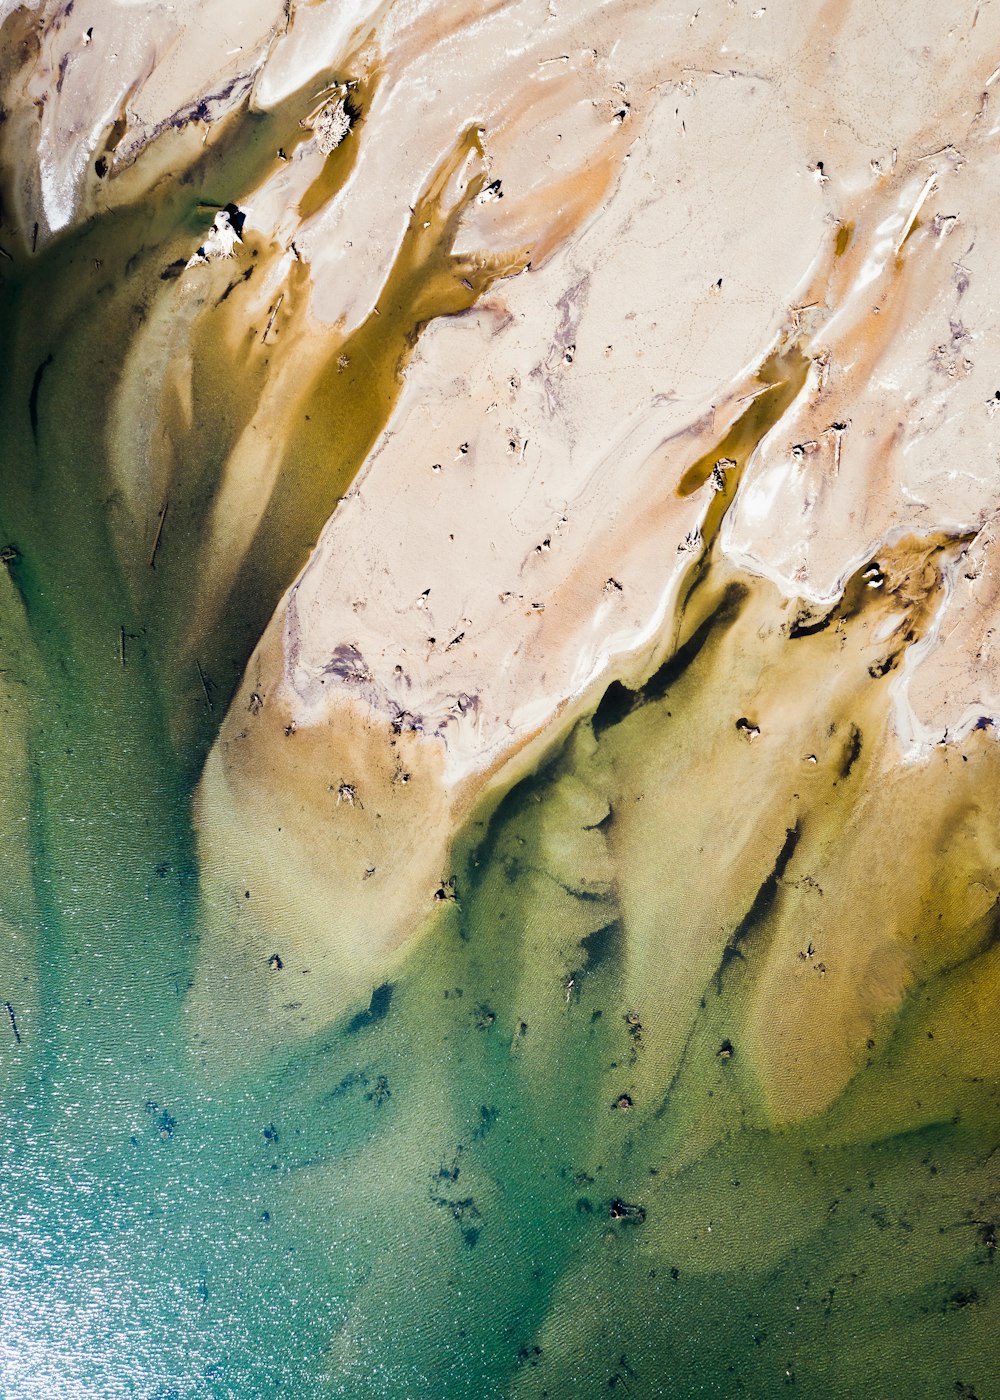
{"x":509,"y":492}
{"x":649,"y":206}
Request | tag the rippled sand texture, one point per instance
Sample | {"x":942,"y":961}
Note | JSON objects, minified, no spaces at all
{"x":498,"y":699}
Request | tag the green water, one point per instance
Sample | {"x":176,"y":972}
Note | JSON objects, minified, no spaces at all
{"x":554,"y":1156}
{"x":416,"y":1200}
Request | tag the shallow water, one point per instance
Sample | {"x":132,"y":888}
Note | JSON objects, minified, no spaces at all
{"x":690,"y":1090}
{"x":420,"y":1199}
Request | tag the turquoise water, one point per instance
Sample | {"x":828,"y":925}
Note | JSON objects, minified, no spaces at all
{"x":419,"y":1200}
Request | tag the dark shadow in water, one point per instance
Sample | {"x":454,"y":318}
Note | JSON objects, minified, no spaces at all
{"x":618,"y":701}
{"x":763,"y":903}
{"x":378,"y":1009}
